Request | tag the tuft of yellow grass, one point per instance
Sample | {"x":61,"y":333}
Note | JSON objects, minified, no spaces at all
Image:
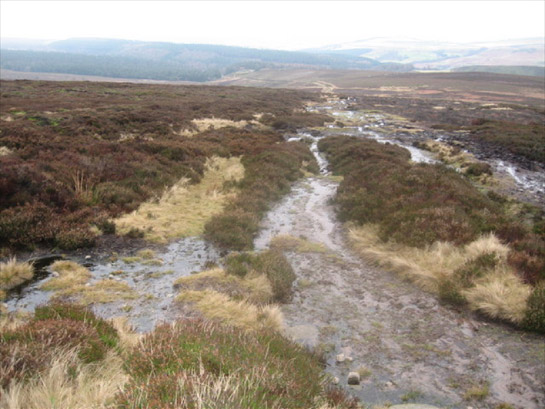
{"x":69,"y":384}
{"x":498,"y":294}
{"x":128,"y":338}
{"x":204,"y":124}
{"x":14,"y":273}
{"x":184,"y":209}
{"x":254,"y":288}
{"x":103,"y":291}
{"x":146,"y":254}
{"x":70,"y":275}
{"x":5,"y":151}
{"x":73,"y":282}
{"x":215,"y":305}
{"x":501,"y":295}
{"x":287,"y":242}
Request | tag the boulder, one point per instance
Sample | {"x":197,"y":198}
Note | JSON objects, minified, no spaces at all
{"x":353,"y":378}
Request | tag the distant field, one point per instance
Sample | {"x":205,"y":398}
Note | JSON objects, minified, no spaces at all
{"x":47,"y":76}
{"x":484,"y":87}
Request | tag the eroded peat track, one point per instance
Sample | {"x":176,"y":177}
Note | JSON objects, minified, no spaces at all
{"x":406,"y":346}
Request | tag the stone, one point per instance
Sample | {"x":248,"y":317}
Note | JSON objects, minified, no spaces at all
{"x":336,"y":381}
{"x":341,"y":358}
{"x":87,"y":257}
{"x":353,"y":378}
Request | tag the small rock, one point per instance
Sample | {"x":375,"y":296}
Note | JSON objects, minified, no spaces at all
{"x":55,"y":274}
{"x":353,"y":378}
{"x":87,"y":257}
{"x":341,"y":358}
{"x":170,"y":295}
{"x":336,"y":381}
{"x":87,"y":284}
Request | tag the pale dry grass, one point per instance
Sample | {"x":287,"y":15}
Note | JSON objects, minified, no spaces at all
{"x":128,"y":338}
{"x":205,"y":124}
{"x":3,"y":296}
{"x":254,"y":288}
{"x":498,"y":294}
{"x":184,"y":209}
{"x":502,"y":295}
{"x":234,"y":391}
{"x":70,"y":275}
{"x":14,"y":273}
{"x":145,"y":254}
{"x":287,"y":242}
{"x":5,"y":151}
{"x":73,"y":282}
{"x":241,"y":314}
{"x":103,"y":291}
{"x":10,"y":322}
{"x":69,"y":384}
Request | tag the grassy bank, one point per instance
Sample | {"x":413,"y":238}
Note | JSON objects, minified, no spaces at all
{"x":74,"y":155}
{"x":433,"y":225}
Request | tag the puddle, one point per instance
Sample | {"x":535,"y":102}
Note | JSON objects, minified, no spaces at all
{"x":152,"y":282}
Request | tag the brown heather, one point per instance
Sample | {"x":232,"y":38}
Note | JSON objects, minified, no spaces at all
{"x":126,"y":145}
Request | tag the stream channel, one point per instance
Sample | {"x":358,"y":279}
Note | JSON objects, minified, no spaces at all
{"x":408,"y":346}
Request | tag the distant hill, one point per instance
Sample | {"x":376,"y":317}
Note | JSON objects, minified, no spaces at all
{"x":444,"y":55}
{"x":166,"y":61}
{"x":505,"y":69}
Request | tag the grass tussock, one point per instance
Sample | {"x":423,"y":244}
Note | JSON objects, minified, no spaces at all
{"x":217,"y":306}
{"x":185,"y":209}
{"x":72,"y":283}
{"x":70,"y":275}
{"x":271,"y":263}
{"x":254,"y":288}
{"x":14,"y":273}
{"x":476,"y":274}
{"x":297,"y":244}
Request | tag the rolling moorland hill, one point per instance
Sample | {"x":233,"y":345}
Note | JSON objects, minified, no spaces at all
{"x":436,"y":55}
{"x":165,"y":61}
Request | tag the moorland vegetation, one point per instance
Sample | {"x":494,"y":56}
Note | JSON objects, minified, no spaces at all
{"x":435,"y":226}
{"x":75,"y":155}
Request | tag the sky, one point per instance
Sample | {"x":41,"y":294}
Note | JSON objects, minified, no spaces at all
{"x":287,"y":25}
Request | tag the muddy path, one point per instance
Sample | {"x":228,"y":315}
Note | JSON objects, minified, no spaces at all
{"x":407,"y":346}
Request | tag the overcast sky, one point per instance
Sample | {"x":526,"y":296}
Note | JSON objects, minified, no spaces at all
{"x":286,"y":25}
